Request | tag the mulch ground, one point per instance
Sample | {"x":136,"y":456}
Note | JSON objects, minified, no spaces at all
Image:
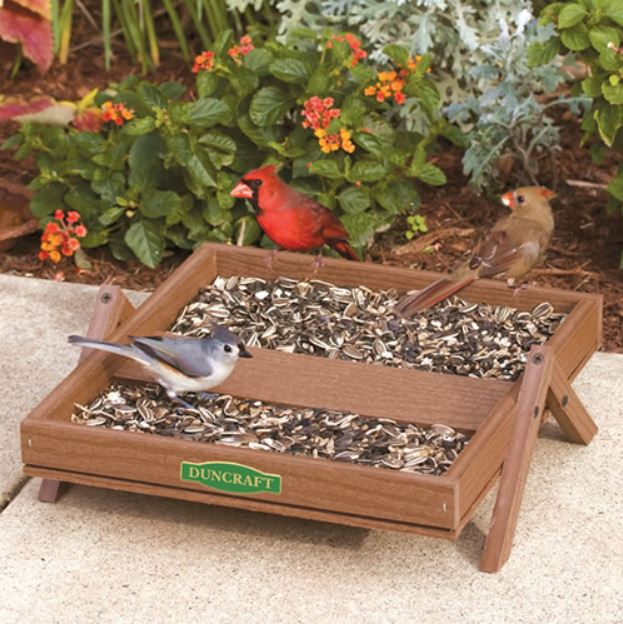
{"x":584,"y":253}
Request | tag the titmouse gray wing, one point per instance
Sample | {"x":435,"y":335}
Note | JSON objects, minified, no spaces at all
{"x":188,"y":355}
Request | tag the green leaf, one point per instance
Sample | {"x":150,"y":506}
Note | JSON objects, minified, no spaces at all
{"x":601,"y":36}
{"x":615,"y":188}
{"x":110,"y":187}
{"x":13,"y":141}
{"x":576,"y":38}
{"x":81,"y":259}
{"x":353,"y":110}
{"x":361,"y":226}
{"x":144,"y":160}
{"x":608,"y":120}
{"x":259,"y":136}
{"x":157,"y":203}
{"x":172,"y":90}
{"x":119,"y":247}
{"x":246,"y":231}
{"x":223,"y":42}
{"x":206,"y":84}
{"x":179,"y":147}
{"x":244,"y":81}
{"x":213,"y":213}
{"x":319,"y":81}
{"x":591,"y":86}
{"x":94,"y":239}
{"x":609,"y":60}
{"x":613,"y":93}
{"x":152,"y":96}
{"x":200,"y":174}
{"x":398,"y":197}
{"x":47,"y":200}
{"x":268,"y":106}
{"x":541,"y":53}
{"x":615,"y":11}
{"x":82,"y":199}
{"x":364,"y":74}
{"x":139,"y":127}
{"x":292,"y":71}
{"x":571,"y":15}
{"x":429,"y":174}
{"x":326,"y":168}
{"x":110,"y":216}
{"x":369,"y":142}
{"x":354,"y":199}
{"x":146,"y":240}
{"x":222,"y":148}
{"x":208,"y":112}
{"x":427,"y":94}
{"x":367,"y":171}
{"x":397,"y":53}
{"x":258,"y":61}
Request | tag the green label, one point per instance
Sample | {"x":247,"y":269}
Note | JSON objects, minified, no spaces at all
{"x":231,"y":477}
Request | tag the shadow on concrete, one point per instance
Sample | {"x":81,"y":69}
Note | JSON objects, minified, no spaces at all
{"x":77,"y":498}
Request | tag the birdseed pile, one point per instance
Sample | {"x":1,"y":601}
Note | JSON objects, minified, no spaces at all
{"x":318,"y":433}
{"x":316,"y":317}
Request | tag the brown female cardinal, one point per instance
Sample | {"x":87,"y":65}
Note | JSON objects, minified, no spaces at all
{"x":515,"y":244}
{"x":290,"y":219}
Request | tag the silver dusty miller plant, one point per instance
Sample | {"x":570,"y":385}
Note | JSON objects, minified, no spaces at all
{"x":480,"y":52}
{"x":503,"y":117}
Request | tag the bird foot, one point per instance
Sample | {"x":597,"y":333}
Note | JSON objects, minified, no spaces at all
{"x":182,"y":403}
{"x":204,"y":396}
{"x":270,"y":259}
{"x":512,"y":284}
{"x":318,"y":263}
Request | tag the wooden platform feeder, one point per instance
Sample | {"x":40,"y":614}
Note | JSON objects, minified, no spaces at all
{"x":503,"y":417}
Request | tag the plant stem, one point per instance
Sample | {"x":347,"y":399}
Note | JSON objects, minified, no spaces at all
{"x":106,"y":20}
{"x":178,"y":29}
{"x":66,"y":19}
{"x":19,"y":55}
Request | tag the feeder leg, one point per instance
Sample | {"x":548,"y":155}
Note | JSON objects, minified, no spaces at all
{"x":530,"y":407}
{"x":49,"y":490}
{"x":111,"y":309}
{"x":571,"y":415}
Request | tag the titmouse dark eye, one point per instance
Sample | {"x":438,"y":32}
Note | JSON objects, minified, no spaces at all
{"x":520,"y":199}
{"x":227,"y":348}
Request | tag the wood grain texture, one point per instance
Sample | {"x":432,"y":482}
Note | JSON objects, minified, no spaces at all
{"x":530,"y":408}
{"x":235,"y":502}
{"x":248,"y":261}
{"x":314,"y":483}
{"x":571,"y":415}
{"x":373,"y":390}
{"x":371,"y":497}
{"x":573,"y":343}
{"x":111,"y":308}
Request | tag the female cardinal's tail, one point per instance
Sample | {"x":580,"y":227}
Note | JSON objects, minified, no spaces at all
{"x":345,"y":250}
{"x":429,"y":296}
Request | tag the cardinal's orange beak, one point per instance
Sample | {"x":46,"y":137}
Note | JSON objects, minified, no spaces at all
{"x":508,"y":199}
{"x":242,"y":190}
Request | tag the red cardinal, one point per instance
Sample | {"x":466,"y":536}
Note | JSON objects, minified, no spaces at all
{"x":289,"y":218}
{"x":515,"y":244}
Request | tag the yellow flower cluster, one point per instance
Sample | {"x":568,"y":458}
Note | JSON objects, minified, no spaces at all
{"x":330,"y":142}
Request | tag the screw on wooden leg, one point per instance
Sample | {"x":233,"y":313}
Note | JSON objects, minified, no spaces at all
{"x":530,"y":405}
{"x":111,"y":309}
{"x":571,"y":415}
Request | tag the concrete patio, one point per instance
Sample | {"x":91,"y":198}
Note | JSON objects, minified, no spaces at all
{"x":104,"y":556}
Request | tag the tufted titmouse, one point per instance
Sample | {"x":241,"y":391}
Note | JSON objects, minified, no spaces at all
{"x":181,"y":364}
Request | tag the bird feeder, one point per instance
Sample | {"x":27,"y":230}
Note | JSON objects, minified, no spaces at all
{"x":503,"y":418}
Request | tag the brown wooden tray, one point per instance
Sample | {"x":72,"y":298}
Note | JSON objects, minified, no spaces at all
{"x":54,"y":448}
